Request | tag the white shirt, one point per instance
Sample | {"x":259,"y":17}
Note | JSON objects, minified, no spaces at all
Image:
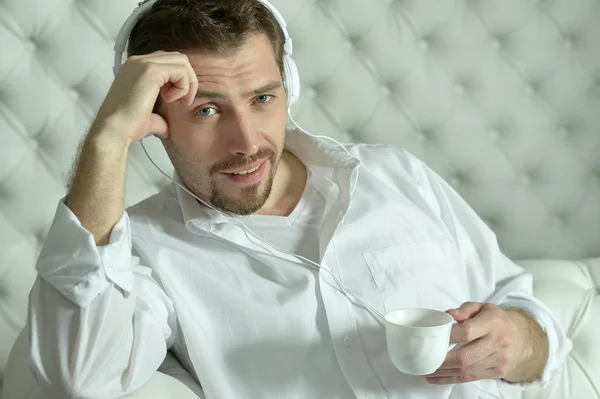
{"x":249,"y":321}
{"x":297,"y":233}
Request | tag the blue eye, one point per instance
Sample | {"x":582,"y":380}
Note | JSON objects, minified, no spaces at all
{"x":263,"y":99}
{"x":209,"y":111}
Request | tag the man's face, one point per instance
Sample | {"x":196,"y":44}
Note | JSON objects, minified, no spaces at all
{"x":227,"y":145}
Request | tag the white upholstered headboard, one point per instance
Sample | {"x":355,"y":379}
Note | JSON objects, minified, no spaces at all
{"x":501,"y":97}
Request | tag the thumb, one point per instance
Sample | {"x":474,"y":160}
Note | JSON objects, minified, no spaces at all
{"x":159,"y":126}
{"x":466,"y":311}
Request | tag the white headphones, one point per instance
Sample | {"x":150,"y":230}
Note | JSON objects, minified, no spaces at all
{"x":291,"y":76}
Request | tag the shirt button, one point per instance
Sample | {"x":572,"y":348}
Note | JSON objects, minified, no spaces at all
{"x":348,"y":341}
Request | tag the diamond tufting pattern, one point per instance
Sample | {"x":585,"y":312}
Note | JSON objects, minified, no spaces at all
{"x":501,"y":97}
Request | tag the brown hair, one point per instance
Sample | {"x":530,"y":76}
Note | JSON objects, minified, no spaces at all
{"x":216,"y":27}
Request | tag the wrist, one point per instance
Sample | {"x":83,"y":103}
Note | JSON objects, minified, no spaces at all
{"x":109,"y":133}
{"x":531,"y":349}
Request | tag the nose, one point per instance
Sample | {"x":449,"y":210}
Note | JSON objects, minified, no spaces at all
{"x":242,"y":138}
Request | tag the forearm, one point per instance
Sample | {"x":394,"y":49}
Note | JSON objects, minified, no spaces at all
{"x":534,"y":344}
{"x":97,"y":190}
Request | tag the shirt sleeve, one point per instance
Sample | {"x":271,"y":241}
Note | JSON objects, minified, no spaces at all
{"x":98,"y":324}
{"x":510,"y":284}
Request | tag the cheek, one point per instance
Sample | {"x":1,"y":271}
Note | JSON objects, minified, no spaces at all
{"x":278,"y":129}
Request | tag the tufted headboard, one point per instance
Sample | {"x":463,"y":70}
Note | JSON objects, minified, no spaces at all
{"x":501,"y":97}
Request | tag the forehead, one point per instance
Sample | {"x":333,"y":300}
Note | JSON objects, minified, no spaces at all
{"x":256,"y":54}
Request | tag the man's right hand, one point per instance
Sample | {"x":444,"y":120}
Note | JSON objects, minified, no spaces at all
{"x":97,"y":190}
{"x":127,"y":110}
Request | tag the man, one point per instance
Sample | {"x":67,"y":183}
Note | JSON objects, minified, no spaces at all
{"x":241,"y":293}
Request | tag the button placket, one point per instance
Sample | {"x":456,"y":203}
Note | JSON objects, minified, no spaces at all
{"x":350,"y":353}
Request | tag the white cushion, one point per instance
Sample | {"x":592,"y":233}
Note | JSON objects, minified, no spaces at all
{"x":572,"y":291}
{"x":501,"y":97}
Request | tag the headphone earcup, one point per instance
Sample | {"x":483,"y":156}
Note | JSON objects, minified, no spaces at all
{"x":292,"y":80}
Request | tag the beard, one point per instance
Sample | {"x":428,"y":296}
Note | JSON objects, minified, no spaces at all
{"x":209,"y":186}
{"x":251,"y":198}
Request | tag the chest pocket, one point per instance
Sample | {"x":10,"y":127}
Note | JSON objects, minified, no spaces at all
{"x":425,"y":274}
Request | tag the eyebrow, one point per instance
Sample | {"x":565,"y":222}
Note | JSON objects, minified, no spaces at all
{"x":220,"y":96}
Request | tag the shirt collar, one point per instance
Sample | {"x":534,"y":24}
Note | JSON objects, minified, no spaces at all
{"x":319,"y":153}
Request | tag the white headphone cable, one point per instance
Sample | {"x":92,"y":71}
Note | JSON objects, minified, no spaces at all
{"x":246,"y":230}
{"x":379,"y":316}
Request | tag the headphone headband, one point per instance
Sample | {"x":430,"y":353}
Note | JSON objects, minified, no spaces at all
{"x":291,"y":76}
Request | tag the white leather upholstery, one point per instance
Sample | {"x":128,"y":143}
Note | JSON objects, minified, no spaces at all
{"x":501,"y":97}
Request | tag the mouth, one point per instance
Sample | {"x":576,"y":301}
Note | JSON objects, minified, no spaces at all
{"x":250,"y":174}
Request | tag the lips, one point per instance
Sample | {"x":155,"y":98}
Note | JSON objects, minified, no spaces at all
{"x":246,"y":172}
{"x":246,"y":169}
{"x":249,"y":175}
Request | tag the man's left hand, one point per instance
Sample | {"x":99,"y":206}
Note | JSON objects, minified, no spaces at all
{"x":494,"y":345}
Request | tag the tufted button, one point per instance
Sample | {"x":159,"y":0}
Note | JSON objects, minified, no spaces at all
{"x":425,"y":43}
{"x":460,"y":88}
{"x":570,"y":41}
{"x":492,"y":223}
{"x":427,"y":133}
{"x":351,"y":44}
{"x":386,"y":90}
{"x":526,"y":179}
{"x":74,"y":94}
{"x":531,"y":89}
{"x":31,"y":45}
{"x":38,"y":237}
{"x":347,"y":341}
{"x":421,"y":137}
{"x":560,"y":220}
{"x":564,"y":132}
{"x":457,"y":178}
{"x":34,"y":142}
{"x":494,"y":134}
{"x":568,"y":44}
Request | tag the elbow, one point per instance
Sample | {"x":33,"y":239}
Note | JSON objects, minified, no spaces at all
{"x":56,"y":384}
{"x":37,"y":372}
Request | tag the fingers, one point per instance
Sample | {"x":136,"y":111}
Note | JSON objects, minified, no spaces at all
{"x":486,"y":374}
{"x":193,"y":89}
{"x":191,"y":84}
{"x":468,"y":355}
{"x":469,"y":330}
{"x":491,"y":367}
{"x":179,"y":80}
{"x":465,"y":373}
{"x":465,"y":311}
{"x":485,"y":354}
{"x":472,"y":369}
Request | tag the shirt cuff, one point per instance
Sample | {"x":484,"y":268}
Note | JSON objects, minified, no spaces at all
{"x":73,"y":264}
{"x":558,"y":344}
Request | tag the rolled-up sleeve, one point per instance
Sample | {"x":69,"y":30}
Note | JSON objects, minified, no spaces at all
{"x":558,"y":344}
{"x":72,"y":263}
{"x":98,"y":324}
{"x":493,"y":277}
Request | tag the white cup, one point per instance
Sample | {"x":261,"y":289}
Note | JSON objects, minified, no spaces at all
{"x":418,"y":340}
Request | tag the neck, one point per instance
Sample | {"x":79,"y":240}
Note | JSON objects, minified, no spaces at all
{"x":288,"y":186}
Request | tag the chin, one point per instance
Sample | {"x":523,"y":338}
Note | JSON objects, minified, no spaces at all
{"x":244,"y":201}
